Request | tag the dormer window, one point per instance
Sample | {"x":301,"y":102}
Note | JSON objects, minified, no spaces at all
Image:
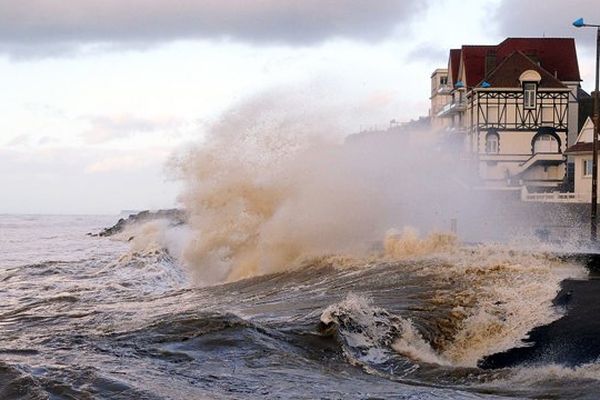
{"x":529,"y":95}
{"x":530,"y":79}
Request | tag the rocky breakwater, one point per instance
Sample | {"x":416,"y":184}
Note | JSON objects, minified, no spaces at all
{"x":176,"y":216}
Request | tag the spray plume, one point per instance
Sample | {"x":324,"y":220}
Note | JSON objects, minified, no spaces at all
{"x":275,"y":183}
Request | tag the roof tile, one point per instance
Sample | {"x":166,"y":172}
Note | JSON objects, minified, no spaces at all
{"x":580,"y":147}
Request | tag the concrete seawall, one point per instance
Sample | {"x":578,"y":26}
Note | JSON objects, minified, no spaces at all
{"x":502,"y":216}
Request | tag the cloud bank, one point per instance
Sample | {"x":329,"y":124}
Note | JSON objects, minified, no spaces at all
{"x":47,"y":27}
{"x":548,"y":17}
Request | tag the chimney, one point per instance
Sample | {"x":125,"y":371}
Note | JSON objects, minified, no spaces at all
{"x":533,"y":56}
{"x":490,"y":62}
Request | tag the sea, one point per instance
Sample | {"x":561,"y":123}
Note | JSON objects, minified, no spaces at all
{"x":88,"y":317}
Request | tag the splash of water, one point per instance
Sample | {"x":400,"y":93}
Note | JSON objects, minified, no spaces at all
{"x":398,"y":245}
{"x":371,"y":332}
{"x":493,"y":295}
{"x":274,"y":184}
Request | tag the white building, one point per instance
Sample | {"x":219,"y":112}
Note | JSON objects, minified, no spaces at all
{"x":581,"y":153}
{"x":515,"y":107}
{"x":440,"y":96}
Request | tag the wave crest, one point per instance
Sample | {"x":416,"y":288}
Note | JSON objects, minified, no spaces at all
{"x":370,"y":333}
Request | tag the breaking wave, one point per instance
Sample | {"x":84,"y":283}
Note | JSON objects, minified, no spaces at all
{"x":416,"y":314}
{"x":281,"y":211}
{"x":370,"y":334}
{"x":488,"y":298}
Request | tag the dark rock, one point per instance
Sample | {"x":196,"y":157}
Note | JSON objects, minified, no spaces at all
{"x":176,"y":216}
{"x":571,"y":340}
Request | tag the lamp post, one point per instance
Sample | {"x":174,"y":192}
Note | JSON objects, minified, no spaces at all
{"x":594,"y":220}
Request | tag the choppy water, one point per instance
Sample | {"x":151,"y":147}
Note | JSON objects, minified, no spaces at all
{"x":89,"y":318}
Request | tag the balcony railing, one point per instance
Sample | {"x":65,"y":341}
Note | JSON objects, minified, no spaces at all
{"x":555,"y":197}
{"x":452,"y":108}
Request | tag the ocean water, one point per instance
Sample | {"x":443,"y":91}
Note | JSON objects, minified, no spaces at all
{"x":86,"y":317}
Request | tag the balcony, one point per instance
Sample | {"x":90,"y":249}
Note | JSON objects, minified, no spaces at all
{"x":452,"y":108}
{"x":444,"y":89}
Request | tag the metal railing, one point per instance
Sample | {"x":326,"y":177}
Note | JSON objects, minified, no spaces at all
{"x":452,"y":107}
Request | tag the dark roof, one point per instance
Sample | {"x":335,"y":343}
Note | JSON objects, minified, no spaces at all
{"x":506,"y":75}
{"x":557,"y":56}
{"x":473,"y":61}
{"x":454,"y":63}
{"x":580,"y":147}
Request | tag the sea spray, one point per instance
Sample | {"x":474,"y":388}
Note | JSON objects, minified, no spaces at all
{"x":274,"y":187}
{"x":274,"y":183}
{"x":407,"y":243}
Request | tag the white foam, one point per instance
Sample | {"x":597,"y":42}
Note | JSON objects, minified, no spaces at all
{"x":495,"y":296}
{"x":374,"y":331}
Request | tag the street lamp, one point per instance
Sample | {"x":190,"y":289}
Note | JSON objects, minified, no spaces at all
{"x":594,"y":221}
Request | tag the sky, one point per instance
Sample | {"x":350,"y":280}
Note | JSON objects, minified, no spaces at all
{"x":97,"y":95}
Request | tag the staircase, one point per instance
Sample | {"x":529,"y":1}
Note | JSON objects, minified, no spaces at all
{"x":539,"y":157}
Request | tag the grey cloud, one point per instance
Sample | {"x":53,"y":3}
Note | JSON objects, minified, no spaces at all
{"x":25,"y":51}
{"x":548,"y":17}
{"x":428,"y":52}
{"x":49,"y":27}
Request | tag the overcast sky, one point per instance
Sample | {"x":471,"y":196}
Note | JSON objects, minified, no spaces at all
{"x":97,"y":94}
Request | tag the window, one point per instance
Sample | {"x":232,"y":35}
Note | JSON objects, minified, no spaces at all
{"x":529,"y":95}
{"x":492,"y":143}
{"x":443,"y":80}
{"x":587,"y":167}
{"x":545,"y":143}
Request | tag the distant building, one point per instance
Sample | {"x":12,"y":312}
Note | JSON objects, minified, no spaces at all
{"x":440,"y":96}
{"x":581,"y":154}
{"x":395,"y":130}
{"x":515,"y":107}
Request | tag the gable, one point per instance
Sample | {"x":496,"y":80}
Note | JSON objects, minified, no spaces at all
{"x":586,"y":135}
{"x":517,"y":66}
